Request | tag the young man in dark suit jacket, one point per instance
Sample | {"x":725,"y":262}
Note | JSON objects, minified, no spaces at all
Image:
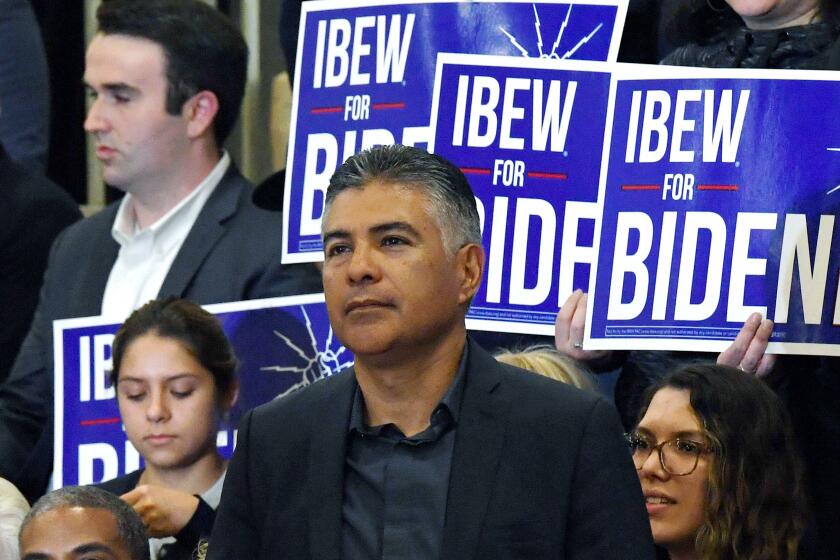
{"x":166,"y":78}
{"x":428,"y":448}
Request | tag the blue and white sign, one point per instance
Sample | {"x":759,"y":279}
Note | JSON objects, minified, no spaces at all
{"x":365,"y":76}
{"x":720,"y":199}
{"x":529,"y":135}
{"x":281,"y":343}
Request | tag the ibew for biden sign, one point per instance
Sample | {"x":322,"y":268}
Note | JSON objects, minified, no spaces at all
{"x":715,"y":209}
{"x":365,"y":74}
{"x":529,"y":137}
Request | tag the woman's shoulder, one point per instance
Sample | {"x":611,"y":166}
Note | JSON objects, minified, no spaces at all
{"x":121,"y":484}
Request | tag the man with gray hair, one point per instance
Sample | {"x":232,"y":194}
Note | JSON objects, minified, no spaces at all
{"x":77,"y":521}
{"x":428,"y":447}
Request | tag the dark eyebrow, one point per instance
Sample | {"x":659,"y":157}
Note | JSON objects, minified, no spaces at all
{"x":404,"y":227}
{"x":87,"y":548}
{"x":378,"y":229}
{"x":685,"y":434}
{"x":36,"y":556}
{"x":175,"y":377}
{"x":689,"y":434}
{"x":335,"y":234}
{"x":118,"y":87}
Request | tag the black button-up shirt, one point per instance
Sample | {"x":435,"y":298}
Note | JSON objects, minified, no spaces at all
{"x":395,"y":487}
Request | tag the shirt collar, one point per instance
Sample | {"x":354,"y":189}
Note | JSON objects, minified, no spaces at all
{"x":449,"y":405}
{"x":167,"y":230}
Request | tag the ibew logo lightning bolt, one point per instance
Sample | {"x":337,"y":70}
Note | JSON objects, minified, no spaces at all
{"x":316,"y":363}
{"x":538,"y":28}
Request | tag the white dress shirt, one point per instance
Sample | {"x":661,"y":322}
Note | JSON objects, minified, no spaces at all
{"x":145,"y":256}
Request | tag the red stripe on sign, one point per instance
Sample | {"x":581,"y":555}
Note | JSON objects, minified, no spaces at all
{"x":545,"y":175}
{"x":717,"y":187}
{"x":99,"y":421}
{"x":475,"y":171}
{"x":399,"y":105}
{"x":640,"y":187}
{"x":322,"y":110}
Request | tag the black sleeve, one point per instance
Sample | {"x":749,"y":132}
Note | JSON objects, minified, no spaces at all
{"x":198,"y":527}
{"x":235,"y":533}
{"x":607,"y":518}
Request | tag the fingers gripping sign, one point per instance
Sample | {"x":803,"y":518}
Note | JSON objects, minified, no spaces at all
{"x":748,"y":351}
{"x":569,"y":329}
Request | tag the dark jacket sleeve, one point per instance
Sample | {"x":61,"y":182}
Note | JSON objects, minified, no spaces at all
{"x":26,"y":396}
{"x":235,"y":532}
{"x":29,"y":231}
{"x":198,"y":527}
{"x":607,"y":518}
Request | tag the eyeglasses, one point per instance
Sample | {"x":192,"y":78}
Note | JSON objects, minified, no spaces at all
{"x":677,"y":456}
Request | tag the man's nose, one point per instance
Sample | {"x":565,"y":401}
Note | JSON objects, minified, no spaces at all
{"x":364,"y":265}
{"x":95,"y":121}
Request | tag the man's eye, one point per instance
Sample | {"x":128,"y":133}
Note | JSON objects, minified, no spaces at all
{"x":392,"y":240}
{"x":335,"y":250}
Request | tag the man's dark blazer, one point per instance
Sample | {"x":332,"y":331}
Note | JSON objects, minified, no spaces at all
{"x":231,"y":253}
{"x":33,"y":211}
{"x":539,"y":470}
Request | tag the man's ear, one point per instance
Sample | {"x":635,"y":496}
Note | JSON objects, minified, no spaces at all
{"x":200,"y":111}
{"x":471,"y":267}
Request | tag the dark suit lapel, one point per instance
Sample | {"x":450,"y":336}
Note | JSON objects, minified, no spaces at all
{"x":325,"y":483}
{"x":94,"y":275}
{"x":478,"y":447}
{"x":206,"y":231}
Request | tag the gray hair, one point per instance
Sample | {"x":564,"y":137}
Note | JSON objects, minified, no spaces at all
{"x":132,"y":532}
{"x":451,"y":202}
{"x":13,"y":508}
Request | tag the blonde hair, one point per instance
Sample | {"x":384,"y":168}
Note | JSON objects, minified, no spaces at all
{"x":13,"y":508}
{"x":548,"y":362}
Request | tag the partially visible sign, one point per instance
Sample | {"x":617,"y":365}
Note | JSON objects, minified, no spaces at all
{"x":528,"y":135}
{"x":365,"y":76}
{"x":281,"y":343}
{"x":720,"y":199}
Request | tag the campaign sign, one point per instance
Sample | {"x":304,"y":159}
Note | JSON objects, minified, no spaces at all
{"x":281,"y":343}
{"x":720,"y":199}
{"x":365,"y":75}
{"x":528,"y":135}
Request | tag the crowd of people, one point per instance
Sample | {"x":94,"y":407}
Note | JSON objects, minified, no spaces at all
{"x":429,"y":446}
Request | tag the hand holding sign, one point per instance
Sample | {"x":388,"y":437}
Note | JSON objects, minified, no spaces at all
{"x":747,"y":351}
{"x":569,"y":328}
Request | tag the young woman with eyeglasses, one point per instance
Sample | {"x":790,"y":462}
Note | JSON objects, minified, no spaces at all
{"x":718,"y":466}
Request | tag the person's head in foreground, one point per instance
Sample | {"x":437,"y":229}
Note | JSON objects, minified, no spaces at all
{"x":548,"y":362}
{"x":716,"y":458}
{"x":77,"y":522}
{"x":13,"y":508}
{"x":175,"y":377}
{"x":403,"y":254}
